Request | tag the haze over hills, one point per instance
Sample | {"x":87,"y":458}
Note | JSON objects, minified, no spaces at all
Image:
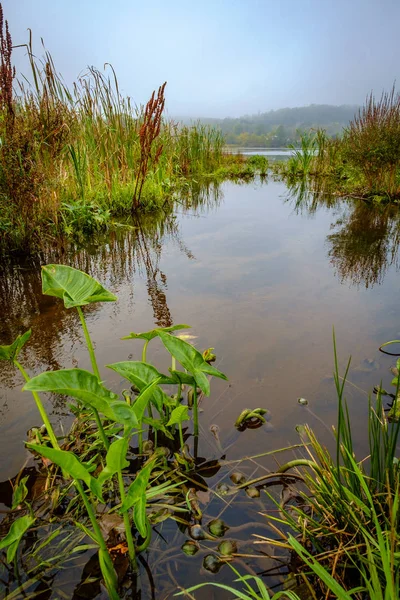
{"x":277,"y":128}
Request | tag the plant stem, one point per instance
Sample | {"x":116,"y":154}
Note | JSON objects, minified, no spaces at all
{"x":145,"y":350}
{"x":102,"y":544}
{"x":178,"y":394}
{"x":96,"y":372}
{"x":181,"y":435}
{"x":195,"y":411}
{"x":127,"y":524}
{"x":40,"y":407}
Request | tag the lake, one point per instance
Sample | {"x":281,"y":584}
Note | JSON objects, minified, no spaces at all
{"x":262,"y":274}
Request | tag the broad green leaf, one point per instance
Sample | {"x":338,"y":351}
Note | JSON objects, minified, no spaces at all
{"x":14,"y":536}
{"x":83,"y":386}
{"x":20,"y":493}
{"x":149,"y":335}
{"x":141,"y":374}
{"x":12,"y":351}
{"x":115,"y":460}
{"x":139,"y":406}
{"x":158,"y":425}
{"x":178,"y":415}
{"x":71,"y":465}
{"x":191,"y":359}
{"x":139,"y":515}
{"x":138,"y":487}
{"x":73,"y":286}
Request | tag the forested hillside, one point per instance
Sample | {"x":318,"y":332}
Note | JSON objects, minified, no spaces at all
{"x":278,"y":128}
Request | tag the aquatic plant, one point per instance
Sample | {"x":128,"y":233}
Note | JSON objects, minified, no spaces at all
{"x":347,"y":523}
{"x":100,"y":470}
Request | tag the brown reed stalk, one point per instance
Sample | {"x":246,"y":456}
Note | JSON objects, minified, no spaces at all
{"x":7,"y":72}
{"x":148,"y":133}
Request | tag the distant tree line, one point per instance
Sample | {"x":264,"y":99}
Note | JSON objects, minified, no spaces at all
{"x":279,"y":128}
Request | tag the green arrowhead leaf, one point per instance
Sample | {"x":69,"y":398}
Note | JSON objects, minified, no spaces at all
{"x":12,"y":351}
{"x":141,"y":374}
{"x":181,"y":377}
{"x":139,"y":515}
{"x":149,"y":335}
{"x":71,"y":464}
{"x":14,"y":536}
{"x":179,"y":414}
{"x":191,"y":359}
{"x":115,"y":460}
{"x":84,"y":386}
{"x":73,"y":286}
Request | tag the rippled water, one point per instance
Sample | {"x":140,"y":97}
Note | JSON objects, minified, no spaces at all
{"x":262,"y":273}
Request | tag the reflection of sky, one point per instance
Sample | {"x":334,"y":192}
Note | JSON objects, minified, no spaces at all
{"x":263,"y":292}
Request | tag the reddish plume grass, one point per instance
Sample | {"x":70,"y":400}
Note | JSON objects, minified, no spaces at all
{"x":7,"y":72}
{"x":149,"y":132}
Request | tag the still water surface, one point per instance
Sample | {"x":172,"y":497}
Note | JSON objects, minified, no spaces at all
{"x":262,"y":275}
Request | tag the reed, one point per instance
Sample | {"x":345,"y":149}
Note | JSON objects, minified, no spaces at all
{"x":72,"y":157}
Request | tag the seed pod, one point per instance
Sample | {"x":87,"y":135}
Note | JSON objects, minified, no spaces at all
{"x":237,"y":477}
{"x":196,"y":532}
{"x":227,"y":548}
{"x":148,"y":447}
{"x":217,"y":527}
{"x":190,"y":548}
{"x":212,"y":563}
{"x":253,"y":492}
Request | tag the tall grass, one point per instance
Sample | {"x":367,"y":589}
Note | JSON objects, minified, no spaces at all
{"x":75,"y":155}
{"x":348,"y":526}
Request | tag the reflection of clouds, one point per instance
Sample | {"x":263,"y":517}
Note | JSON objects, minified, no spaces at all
{"x":365,"y":238}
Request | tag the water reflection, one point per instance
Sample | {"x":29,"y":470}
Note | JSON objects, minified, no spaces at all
{"x":364,"y":242}
{"x":129,"y":249}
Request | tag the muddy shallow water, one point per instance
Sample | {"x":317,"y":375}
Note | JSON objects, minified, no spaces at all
{"x":262,"y":274}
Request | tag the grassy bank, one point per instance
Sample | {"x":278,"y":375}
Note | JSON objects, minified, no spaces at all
{"x":364,"y":162}
{"x":71,"y":158}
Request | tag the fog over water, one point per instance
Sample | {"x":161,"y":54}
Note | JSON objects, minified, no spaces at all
{"x":225,"y":57}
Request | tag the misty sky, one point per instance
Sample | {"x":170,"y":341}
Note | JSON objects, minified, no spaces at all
{"x":221,"y":57}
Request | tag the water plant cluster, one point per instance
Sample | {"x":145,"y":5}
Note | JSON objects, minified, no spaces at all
{"x":96,"y":463}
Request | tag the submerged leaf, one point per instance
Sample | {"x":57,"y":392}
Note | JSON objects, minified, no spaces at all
{"x":149,"y":335}
{"x":73,"y":286}
{"x":191,"y":359}
{"x":71,"y":464}
{"x":13,"y":537}
{"x":12,"y":351}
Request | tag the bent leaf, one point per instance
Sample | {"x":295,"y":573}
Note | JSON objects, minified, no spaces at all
{"x":12,"y":351}
{"x":83,"y":386}
{"x":14,"y":536}
{"x":141,"y":374}
{"x":149,"y":335}
{"x":71,"y":465}
{"x":73,"y":286}
{"x":178,"y":415}
{"x":138,"y":487}
{"x":115,"y":460}
{"x":191,"y":359}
